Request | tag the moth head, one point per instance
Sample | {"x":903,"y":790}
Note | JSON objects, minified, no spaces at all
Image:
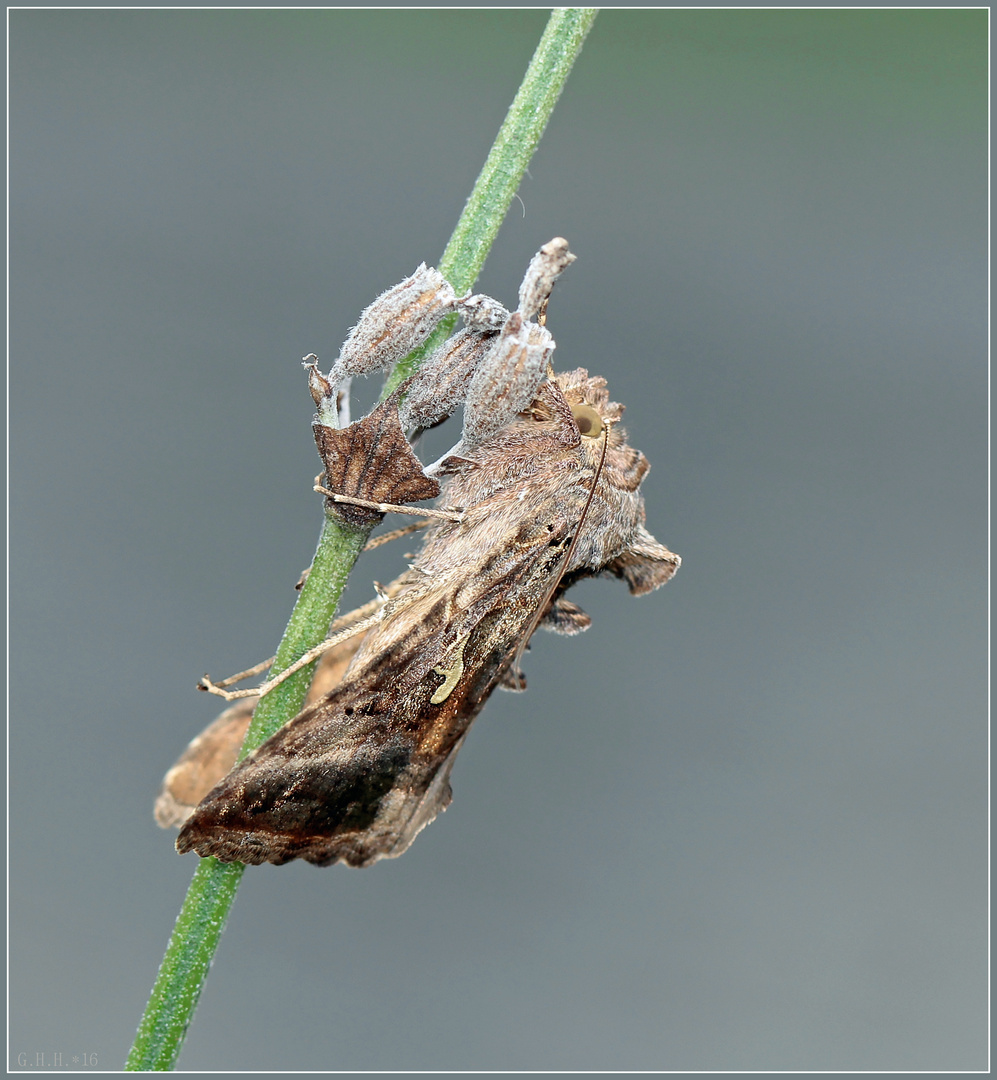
{"x":593,"y":412}
{"x":614,"y":538}
{"x":579,"y":388}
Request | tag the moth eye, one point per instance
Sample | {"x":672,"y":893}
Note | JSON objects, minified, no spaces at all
{"x":588,"y":420}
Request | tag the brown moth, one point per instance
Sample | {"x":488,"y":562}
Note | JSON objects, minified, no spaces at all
{"x":548,"y":492}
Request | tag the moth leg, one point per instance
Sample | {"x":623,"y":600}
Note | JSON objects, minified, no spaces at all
{"x":376,"y":542}
{"x":205,"y":683}
{"x":386,"y":508}
{"x":513,"y":680}
{"x":316,"y":651}
{"x":386,"y":538}
{"x":256,"y":669}
{"x":303,"y":661}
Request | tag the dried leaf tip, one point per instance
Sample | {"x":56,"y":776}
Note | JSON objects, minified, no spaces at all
{"x":545,"y":268}
{"x":323,"y":393}
{"x":318,"y":385}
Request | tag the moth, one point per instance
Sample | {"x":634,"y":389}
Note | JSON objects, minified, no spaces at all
{"x":541,"y":491}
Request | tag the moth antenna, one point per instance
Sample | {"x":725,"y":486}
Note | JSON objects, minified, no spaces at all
{"x":567,"y":558}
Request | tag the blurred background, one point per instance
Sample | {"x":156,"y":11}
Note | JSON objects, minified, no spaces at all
{"x":740,"y":823}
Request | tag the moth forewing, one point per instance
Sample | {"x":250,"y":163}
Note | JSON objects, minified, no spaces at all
{"x":212,"y":753}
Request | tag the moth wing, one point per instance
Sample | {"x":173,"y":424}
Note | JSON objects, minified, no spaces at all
{"x":325,"y":788}
{"x":419,"y":811}
{"x":645,"y":565}
{"x":564,"y":617}
{"x":210,"y":755}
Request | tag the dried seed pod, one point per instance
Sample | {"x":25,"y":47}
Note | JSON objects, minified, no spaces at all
{"x":545,"y":268}
{"x":507,"y":379}
{"x":481,"y":312}
{"x":397,"y":322}
{"x":440,"y":384}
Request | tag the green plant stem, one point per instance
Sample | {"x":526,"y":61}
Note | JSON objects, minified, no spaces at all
{"x":505,"y":165}
{"x":185,"y":966}
{"x":202,"y":918}
{"x":209,"y":898}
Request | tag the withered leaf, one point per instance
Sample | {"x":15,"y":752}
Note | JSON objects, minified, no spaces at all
{"x":371,"y":459}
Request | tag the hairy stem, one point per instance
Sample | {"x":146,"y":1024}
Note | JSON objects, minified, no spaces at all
{"x":202,"y":918}
{"x":505,"y":165}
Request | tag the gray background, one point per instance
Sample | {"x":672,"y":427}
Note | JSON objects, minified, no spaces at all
{"x":740,"y":824}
